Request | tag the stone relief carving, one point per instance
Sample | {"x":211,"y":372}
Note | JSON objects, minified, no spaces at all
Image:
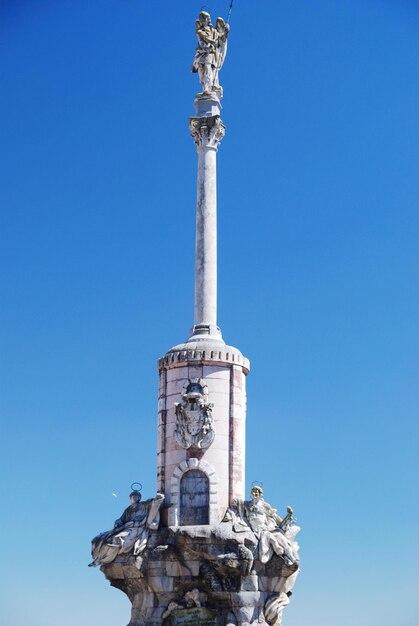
{"x":130,"y":533}
{"x":193,"y":417}
{"x":210,"y":52}
{"x":190,"y":600}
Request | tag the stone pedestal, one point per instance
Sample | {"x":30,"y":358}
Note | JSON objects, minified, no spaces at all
{"x":206,"y":575}
{"x":221,"y":370}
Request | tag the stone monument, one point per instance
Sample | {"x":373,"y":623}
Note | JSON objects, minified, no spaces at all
{"x":198,"y":552}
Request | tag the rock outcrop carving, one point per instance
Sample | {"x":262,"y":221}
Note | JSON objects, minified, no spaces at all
{"x":236,"y":573}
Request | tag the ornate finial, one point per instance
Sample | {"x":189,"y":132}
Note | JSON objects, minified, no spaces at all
{"x":210,"y":52}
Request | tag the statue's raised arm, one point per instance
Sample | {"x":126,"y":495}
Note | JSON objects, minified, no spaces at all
{"x":210,"y":52}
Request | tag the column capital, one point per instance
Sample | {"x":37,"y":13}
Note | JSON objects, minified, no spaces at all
{"x":207,"y":131}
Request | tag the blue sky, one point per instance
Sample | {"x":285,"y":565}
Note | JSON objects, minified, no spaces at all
{"x":318,"y":284}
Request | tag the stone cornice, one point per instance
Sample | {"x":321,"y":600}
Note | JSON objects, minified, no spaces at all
{"x":210,"y":355}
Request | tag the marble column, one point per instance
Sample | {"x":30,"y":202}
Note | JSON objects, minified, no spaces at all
{"x":207,"y":129}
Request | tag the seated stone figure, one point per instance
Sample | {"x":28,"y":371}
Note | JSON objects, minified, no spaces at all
{"x":273,"y":534}
{"x":130,"y":532}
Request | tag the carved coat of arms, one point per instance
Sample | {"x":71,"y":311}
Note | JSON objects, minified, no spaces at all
{"x":193,"y":417}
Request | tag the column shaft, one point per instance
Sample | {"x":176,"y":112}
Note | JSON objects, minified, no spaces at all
{"x":206,"y":238}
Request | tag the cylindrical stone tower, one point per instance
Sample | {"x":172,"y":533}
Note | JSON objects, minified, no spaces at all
{"x":202,"y":382}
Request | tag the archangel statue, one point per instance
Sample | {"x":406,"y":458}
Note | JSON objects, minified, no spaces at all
{"x":210,"y":52}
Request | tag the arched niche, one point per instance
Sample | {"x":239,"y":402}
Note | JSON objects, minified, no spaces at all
{"x":193,"y":494}
{"x":194,"y":498}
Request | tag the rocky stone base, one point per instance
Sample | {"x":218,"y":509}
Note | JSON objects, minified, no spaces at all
{"x":207,"y":575}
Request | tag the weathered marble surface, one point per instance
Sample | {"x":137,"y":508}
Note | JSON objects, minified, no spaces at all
{"x":222,"y":372}
{"x":206,"y":575}
{"x":207,"y":132}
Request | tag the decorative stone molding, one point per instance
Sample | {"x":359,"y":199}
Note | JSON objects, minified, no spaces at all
{"x":211,"y":356}
{"x":181,"y":469}
{"x":207,"y":131}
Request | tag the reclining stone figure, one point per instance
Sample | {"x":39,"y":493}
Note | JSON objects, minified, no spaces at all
{"x":130,"y":533}
{"x":273,"y":533}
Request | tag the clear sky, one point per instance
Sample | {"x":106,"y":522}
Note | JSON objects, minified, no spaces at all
{"x":318,"y":284}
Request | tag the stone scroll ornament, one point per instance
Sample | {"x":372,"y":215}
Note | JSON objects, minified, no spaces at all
{"x":194,"y":427}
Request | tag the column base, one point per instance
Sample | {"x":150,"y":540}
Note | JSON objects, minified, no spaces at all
{"x":204,"y":332}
